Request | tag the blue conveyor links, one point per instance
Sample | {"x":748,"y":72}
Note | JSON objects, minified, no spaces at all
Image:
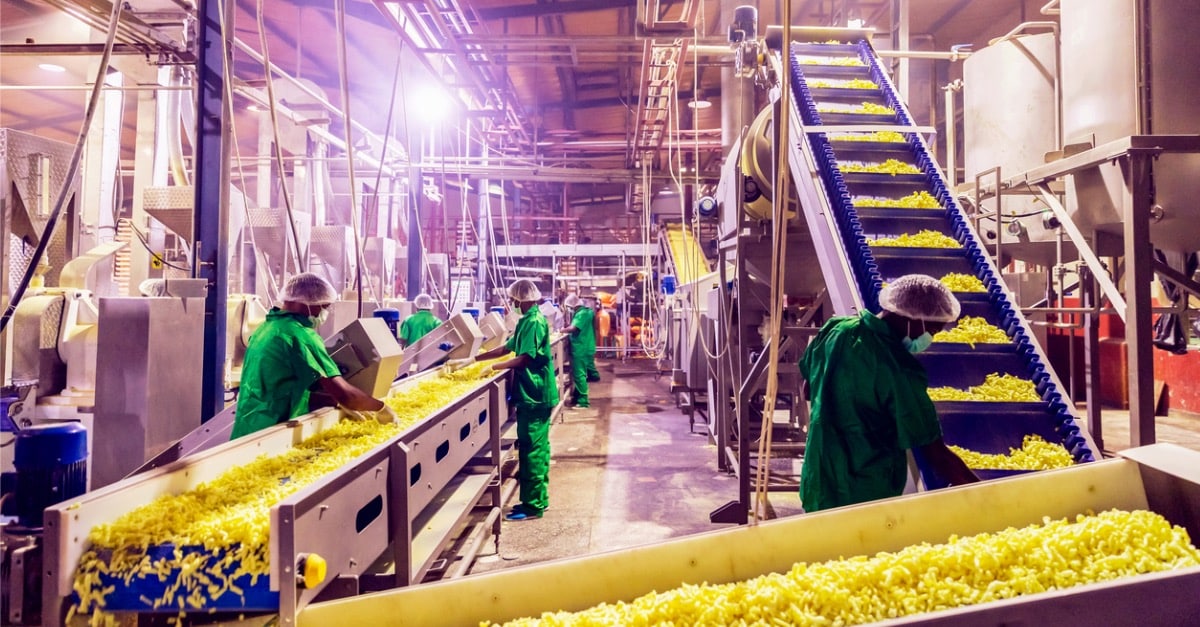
{"x":820,"y":80}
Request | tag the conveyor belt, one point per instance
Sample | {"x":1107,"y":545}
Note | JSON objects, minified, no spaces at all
{"x":685,"y":258}
{"x":822,"y":96}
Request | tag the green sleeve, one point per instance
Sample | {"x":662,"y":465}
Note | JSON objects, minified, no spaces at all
{"x":313,"y":361}
{"x":579,"y":321}
{"x":916,"y":419}
{"x":406,"y":331}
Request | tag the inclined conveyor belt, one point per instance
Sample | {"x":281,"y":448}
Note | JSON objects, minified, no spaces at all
{"x":821,"y":78}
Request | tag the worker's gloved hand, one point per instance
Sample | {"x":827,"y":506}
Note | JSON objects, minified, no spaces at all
{"x":352,"y":414}
{"x":387,"y":415}
{"x":455,"y":365}
{"x":445,"y":346}
{"x":487,"y":370}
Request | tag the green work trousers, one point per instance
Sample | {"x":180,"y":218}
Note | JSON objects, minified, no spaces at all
{"x":583,"y":369}
{"x":533,"y":454}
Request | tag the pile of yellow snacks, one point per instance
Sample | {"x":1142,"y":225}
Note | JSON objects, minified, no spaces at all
{"x":923,"y":239}
{"x":230,"y":516}
{"x":866,"y":108}
{"x":854,"y":83}
{"x":963,"y":283}
{"x":889,"y":137}
{"x":891,"y":166}
{"x":972,"y":330}
{"x":996,"y":388}
{"x":839,"y":61}
{"x":1053,"y":555}
{"x":1034,"y":454}
{"x":915,"y":200}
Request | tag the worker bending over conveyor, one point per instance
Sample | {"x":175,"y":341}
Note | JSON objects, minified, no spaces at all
{"x":870,"y":398}
{"x":286,"y":359}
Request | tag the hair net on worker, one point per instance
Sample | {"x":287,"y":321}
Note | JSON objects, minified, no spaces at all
{"x":524,"y":291}
{"x":423,"y":301}
{"x":571,"y":301}
{"x":920,"y":297}
{"x":307,"y":288}
{"x":156,"y":288}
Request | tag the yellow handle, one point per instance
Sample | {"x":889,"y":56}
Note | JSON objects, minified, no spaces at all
{"x":312,"y":569}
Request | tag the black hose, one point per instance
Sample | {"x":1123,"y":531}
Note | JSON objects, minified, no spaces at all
{"x":72,"y":170}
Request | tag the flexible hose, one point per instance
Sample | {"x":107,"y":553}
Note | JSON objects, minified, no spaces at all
{"x":344,"y":81}
{"x":301,"y":263}
{"x":72,"y":170}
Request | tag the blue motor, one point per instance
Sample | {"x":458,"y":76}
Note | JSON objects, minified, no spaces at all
{"x":51,"y":465}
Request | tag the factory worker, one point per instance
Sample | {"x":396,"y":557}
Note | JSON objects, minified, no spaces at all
{"x":534,"y":396}
{"x":870,"y":399}
{"x":582,"y":333}
{"x":419,"y":324}
{"x":286,"y":359}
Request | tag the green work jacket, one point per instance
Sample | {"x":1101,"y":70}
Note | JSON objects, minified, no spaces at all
{"x":583,"y":340}
{"x":870,"y":402}
{"x":533,"y":384}
{"x":417,"y":326}
{"x":284,"y":358}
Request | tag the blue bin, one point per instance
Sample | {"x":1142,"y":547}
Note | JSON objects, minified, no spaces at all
{"x":391,"y":317}
{"x":474,"y":313}
{"x":668,"y":284}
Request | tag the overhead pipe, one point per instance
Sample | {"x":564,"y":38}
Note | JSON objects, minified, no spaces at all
{"x":320,"y":99}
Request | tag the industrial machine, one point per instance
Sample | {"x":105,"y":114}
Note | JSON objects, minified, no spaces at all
{"x":1161,"y":478}
{"x":494,"y":331}
{"x":456,"y":338}
{"x":380,"y":521}
{"x":844,"y":121}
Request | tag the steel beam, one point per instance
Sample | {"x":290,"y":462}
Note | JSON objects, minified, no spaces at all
{"x":211,"y":154}
{"x":541,"y":10}
{"x":1139,"y":272}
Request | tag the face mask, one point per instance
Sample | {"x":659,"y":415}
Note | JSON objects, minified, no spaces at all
{"x":922,"y":342}
{"x":320,"y":318}
{"x":919,"y":343}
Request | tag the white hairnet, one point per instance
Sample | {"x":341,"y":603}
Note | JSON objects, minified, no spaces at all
{"x":920,"y":297}
{"x":571,"y":301}
{"x":307,"y":288}
{"x":153,"y":287}
{"x":423,"y":301}
{"x":524,"y":291}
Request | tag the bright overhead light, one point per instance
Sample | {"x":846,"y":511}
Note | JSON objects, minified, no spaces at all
{"x":52,"y":67}
{"x":431,"y":104}
{"x":699,"y":104}
{"x":253,"y":107}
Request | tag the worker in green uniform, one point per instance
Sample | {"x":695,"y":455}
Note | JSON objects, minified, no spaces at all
{"x":870,"y":399}
{"x":534,"y":396}
{"x":419,"y":324}
{"x":286,"y":359}
{"x":582,"y":332}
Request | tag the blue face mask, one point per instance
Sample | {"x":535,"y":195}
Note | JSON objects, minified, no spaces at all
{"x":922,"y":342}
{"x":919,"y":343}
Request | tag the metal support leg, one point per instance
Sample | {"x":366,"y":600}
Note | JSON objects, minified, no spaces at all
{"x":210,"y":250}
{"x":1091,"y":364}
{"x":1139,"y":271}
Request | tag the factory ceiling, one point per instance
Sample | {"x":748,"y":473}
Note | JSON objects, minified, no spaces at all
{"x":562,"y":83}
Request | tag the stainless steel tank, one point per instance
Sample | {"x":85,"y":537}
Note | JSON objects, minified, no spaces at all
{"x":1129,"y":68}
{"x":1009,"y":120}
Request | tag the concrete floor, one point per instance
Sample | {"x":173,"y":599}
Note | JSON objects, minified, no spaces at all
{"x":623,"y":472}
{"x":627,"y":472}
